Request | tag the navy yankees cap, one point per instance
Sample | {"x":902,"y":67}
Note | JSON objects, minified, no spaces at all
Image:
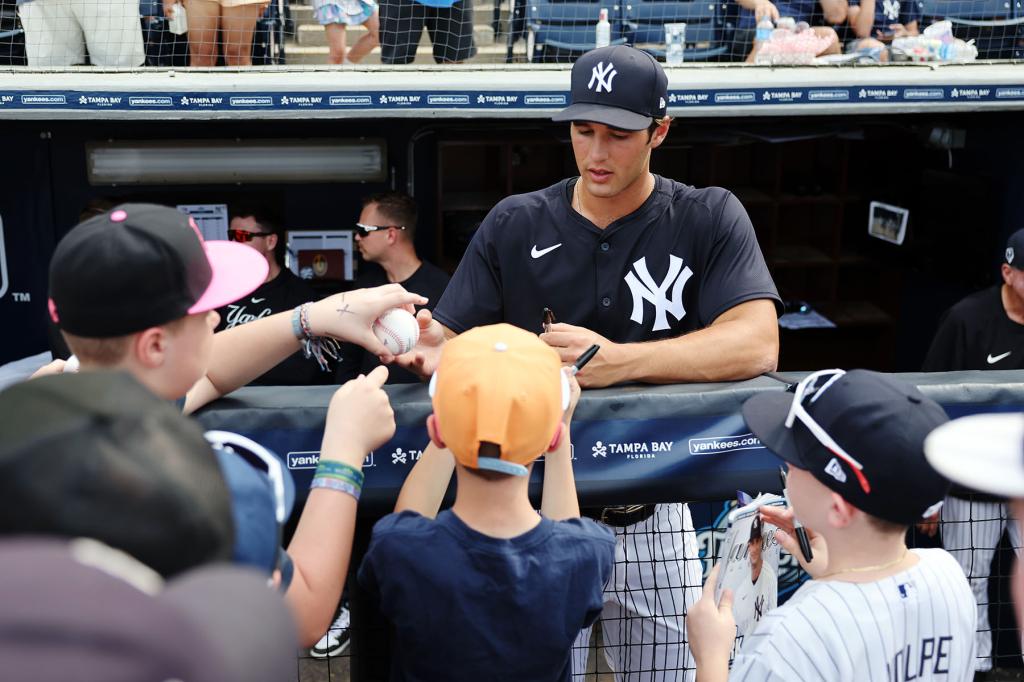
{"x":618,"y":86}
{"x":142,"y":265}
{"x":1014,"y":254}
{"x":861,"y":434}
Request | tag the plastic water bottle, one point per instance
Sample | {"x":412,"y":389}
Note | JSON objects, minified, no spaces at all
{"x":178,"y":21}
{"x":763,"y":33}
{"x":603,"y":37}
{"x":675,"y":43}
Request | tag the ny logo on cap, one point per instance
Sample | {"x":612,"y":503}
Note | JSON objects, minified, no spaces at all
{"x":644,"y":288}
{"x":1009,"y":254}
{"x":835,"y":471}
{"x":603,"y":76}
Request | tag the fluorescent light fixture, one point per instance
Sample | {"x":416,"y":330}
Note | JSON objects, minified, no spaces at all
{"x":202,"y":162}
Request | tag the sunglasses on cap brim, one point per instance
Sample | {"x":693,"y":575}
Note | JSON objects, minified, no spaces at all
{"x":808,"y":388}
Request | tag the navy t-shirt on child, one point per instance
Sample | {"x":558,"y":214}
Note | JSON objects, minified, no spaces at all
{"x":467,"y":606}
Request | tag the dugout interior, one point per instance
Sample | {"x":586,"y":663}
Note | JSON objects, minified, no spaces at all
{"x":806,"y":182}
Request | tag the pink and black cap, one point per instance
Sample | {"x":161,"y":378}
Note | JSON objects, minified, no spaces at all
{"x":141,"y":265}
{"x":861,"y":434}
{"x":618,"y":86}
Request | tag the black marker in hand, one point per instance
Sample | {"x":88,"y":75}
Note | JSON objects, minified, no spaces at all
{"x":582,"y":360}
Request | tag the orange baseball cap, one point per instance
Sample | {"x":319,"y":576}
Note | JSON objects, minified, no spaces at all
{"x":499,"y":384}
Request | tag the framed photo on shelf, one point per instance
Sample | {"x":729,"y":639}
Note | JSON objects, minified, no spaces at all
{"x":887,"y":222}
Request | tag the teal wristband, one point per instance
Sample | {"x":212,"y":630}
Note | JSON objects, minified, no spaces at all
{"x":339,"y":470}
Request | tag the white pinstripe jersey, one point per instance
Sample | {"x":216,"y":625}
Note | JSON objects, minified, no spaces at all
{"x":915,"y":625}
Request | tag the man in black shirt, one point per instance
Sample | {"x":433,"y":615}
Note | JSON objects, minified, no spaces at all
{"x":986,"y":329}
{"x":385,"y":239}
{"x":983,"y":331}
{"x":257,"y":227}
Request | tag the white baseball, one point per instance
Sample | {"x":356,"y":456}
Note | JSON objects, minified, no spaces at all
{"x":398,"y":330}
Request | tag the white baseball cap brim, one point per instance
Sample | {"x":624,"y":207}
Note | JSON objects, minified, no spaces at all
{"x":984,"y":452}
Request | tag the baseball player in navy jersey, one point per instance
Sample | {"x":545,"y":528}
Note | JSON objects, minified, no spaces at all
{"x":984,"y":331}
{"x":858,"y":478}
{"x":668,"y":279}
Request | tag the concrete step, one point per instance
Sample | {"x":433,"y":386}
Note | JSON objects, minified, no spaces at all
{"x":314,"y":35}
{"x":316,"y":54}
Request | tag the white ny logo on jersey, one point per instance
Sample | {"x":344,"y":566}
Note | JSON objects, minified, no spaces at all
{"x":645,"y":289}
{"x":891,"y":9}
{"x":601,"y":75}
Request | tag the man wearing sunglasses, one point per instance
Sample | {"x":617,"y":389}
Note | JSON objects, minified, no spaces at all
{"x":258,"y":227}
{"x":385,"y":237}
{"x":858,"y":479}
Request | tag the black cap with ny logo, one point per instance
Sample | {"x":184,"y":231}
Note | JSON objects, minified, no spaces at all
{"x":618,"y":86}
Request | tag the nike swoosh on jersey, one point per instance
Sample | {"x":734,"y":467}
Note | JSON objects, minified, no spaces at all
{"x":258,"y":300}
{"x":993,"y":359}
{"x":537,"y":253}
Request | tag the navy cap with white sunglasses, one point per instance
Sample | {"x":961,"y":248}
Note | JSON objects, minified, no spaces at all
{"x":618,"y":86}
{"x":861,"y":434}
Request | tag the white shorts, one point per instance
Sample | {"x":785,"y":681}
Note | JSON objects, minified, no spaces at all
{"x":57,"y":32}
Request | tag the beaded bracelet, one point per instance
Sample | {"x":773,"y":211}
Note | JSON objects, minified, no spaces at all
{"x":339,"y":470}
{"x":318,"y":347}
{"x":336,"y":484}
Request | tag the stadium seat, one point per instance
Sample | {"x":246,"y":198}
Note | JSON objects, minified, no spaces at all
{"x":645,"y":27}
{"x":561,"y":31}
{"x":996,"y":26}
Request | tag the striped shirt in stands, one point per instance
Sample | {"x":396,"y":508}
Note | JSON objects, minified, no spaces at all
{"x":915,"y":625}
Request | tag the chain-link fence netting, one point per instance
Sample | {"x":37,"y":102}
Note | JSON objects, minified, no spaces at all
{"x":660,"y":564}
{"x":210,"y":33}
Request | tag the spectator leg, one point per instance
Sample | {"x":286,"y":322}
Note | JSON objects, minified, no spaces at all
{"x":52,"y":34}
{"x":828,"y":32}
{"x":369,"y":41}
{"x":203,"y":19}
{"x":451,"y":32}
{"x":237,"y":24}
{"x":401,"y":25}
{"x":112,"y":31}
{"x":335,"y":42}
